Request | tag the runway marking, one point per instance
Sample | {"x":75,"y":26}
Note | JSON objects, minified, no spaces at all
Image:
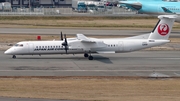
{"x":168,"y":58}
{"x":90,"y":70}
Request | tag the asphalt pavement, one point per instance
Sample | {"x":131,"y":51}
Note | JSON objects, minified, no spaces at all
{"x":140,"y":63}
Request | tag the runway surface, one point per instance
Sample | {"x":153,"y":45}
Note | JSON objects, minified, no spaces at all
{"x":28,"y":99}
{"x":140,"y":63}
{"x":51,"y":31}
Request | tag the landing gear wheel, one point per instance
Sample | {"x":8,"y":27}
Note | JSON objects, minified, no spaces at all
{"x":86,"y":55}
{"x":14,"y":56}
{"x":90,"y":58}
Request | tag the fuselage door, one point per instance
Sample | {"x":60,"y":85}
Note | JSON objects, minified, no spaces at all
{"x":31,"y":47}
{"x":121,"y":46}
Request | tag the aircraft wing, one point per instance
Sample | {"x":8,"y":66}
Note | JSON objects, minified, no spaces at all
{"x":90,"y":43}
{"x":131,"y":5}
{"x":83,"y":38}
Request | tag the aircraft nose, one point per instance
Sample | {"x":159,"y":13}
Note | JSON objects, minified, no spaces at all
{"x":8,"y":52}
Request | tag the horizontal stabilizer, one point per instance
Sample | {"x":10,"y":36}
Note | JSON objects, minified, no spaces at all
{"x":168,"y":16}
{"x":83,"y":38}
{"x":132,"y":5}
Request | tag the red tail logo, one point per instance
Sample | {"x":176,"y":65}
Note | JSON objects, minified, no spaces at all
{"x":163,"y":29}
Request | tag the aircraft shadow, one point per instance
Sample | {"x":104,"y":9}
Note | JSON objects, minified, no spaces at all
{"x":96,"y":58}
{"x":102,"y":59}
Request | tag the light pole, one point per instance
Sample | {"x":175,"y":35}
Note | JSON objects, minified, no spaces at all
{"x":29,"y":5}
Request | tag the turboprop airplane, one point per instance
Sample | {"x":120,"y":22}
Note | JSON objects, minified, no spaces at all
{"x":153,"y":7}
{"x":85,"y":45}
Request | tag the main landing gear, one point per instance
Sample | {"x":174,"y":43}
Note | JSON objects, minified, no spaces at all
{"x":86,"y":55}
{"x":14,"y":56}
{"x":89,"y":57}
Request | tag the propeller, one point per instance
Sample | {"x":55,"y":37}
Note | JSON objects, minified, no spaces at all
{"x":65,"y":44}
{"x":61,"y":36}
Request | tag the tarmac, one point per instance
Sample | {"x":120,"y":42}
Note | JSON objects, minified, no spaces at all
{"x":28,"y":99}
{"x":74,"y":31}
{"x":140,"y":63}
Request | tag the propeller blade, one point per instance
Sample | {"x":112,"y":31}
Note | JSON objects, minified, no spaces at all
{"x":65,"y":40}
{"x":61,"y":36}
{"x":65,"y":44}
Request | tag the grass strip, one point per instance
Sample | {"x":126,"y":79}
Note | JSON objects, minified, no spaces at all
{"x":92,"y":88}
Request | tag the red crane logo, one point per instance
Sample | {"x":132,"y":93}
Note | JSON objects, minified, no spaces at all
{"x":163,"y":29}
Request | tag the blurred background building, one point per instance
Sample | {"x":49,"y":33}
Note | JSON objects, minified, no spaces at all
{"x":38,"y":3}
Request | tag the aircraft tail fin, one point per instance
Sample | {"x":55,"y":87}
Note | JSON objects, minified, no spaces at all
{"x":166,"y":10}
{"x":163,"y":28}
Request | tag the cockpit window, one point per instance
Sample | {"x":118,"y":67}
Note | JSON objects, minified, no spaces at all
{"x":18,"y":45}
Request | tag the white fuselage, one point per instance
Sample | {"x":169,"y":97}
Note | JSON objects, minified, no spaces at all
{"x":75,"y":46}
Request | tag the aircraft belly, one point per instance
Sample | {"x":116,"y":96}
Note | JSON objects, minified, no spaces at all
{"x":56,"y":52}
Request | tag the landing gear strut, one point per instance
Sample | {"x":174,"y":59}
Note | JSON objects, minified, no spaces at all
{"x":90,"y":57}
{"x":14,"y":56}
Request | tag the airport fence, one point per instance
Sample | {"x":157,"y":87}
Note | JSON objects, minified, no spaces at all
{"x":64,"y":11}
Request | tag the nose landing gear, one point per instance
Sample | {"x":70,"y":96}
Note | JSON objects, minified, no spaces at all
{"x":14,"y":56}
